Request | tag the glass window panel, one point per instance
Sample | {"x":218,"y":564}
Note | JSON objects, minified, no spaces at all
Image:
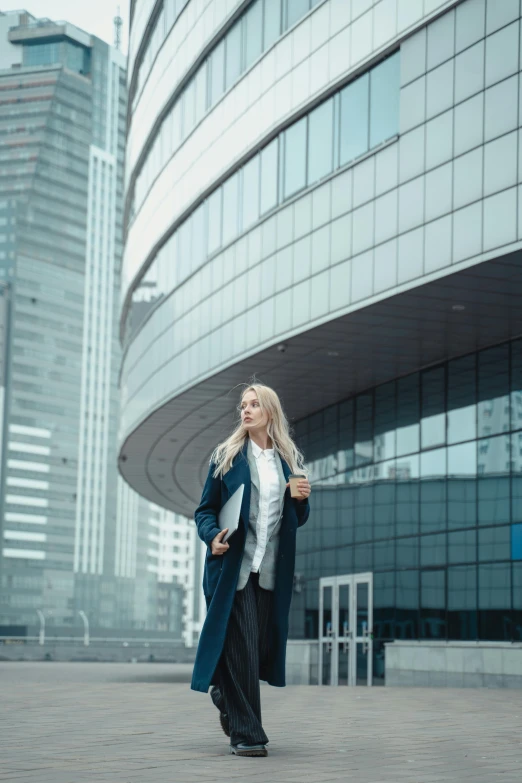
{"x":494,"y":586}
{"x":384,"y":107}
{"x":462,"y":397}
{"x":516,"y":480}
{"x":385,"y":417}
{"x":251,"y":193}
{"x":516,"y":385}
{"x":253,"y":33}
{"x":462,"y":546}
{"x":269,"y":163}
{"x":383,"y":554}
{"x":384,"y":499}
{"x":216,"y":64}
{"x":493,"y":465}
{"x":516,"y":542}
{"x":200,"y":87}
{"x":354,"y":119}
{"x":345,"y":498}
{"x":345,"y":457}
{"x":407,"y":600}
{"x":233,"y":55}
{"x":363,"y":508}
{"x":433,"y":423}
{"x":433,"y":605}
{"x":462,"y":485}
{"x":294,"y":10}
{"x":230,"y":208}
{"x":407,"y":552}
{"x":320,"y":142}
{"x":363,"y":429}
{"x":214,"y":221}
{"x":408,"y":415}
{"x":199,"y":236}
{"x":462,"y":602}
{"x":295,"y":158}
{"x":433,"y":490}
{"x":189,"y":108}
{"x":272,"y":22}
{"x":494,"y":543}
{"x":408,"y":495}
{"x":433,"y":549}
{"x":493,"y":391}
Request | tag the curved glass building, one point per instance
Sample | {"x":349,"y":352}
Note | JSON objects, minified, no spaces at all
{"x":326,"y":193}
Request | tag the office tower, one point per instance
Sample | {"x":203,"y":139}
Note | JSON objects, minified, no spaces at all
{"x":62,"y":129}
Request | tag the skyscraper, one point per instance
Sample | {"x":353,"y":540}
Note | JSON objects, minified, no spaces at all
{"x":62,"y":131}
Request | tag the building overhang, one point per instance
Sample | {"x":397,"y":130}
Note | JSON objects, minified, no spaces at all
{"x":45,"y":30}
{"x":165,"y":458}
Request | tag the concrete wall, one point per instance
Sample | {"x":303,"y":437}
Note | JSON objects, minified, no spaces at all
{"x":454,"y":664}
{"x":302,"y":657}
{"x":97,"y":651}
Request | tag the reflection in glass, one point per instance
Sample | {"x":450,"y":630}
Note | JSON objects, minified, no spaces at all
{"x":385,"y":418}
{"x":345,"y":457}
{"x":494,"y":460}
{"x":408,"y":415}
{"x":516,"y":386}
{"x":493,"y":391}
{"x":384,"y":107}
{"x":354,"y":119}
{"x":462,"y":546}
{"x":433,"y":549}
{"x":462,"y":398}
{"x":384,"y":499}
{"x":320,"y":142}
{"x":250,"y":193}
{"x":407,"y":552}
{"x":269,"y":178}
{"x":462,"y":485}
{"x":295,"y":158}
{"x":433,"y":422}
{"x":433,"y":490}
{"x":363,"y":429}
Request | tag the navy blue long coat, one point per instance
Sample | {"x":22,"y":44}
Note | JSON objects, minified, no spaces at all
{"x":222,"y":571}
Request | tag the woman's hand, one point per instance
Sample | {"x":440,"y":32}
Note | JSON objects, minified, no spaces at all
{"x":303,"y":485}
{"x":216,"y":546}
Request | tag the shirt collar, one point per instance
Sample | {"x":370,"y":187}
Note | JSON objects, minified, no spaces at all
{"x":257,"y":451}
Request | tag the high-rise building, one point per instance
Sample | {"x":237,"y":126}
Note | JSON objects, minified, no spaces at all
{"x":62,"y":134}
{"x":326,"y":193}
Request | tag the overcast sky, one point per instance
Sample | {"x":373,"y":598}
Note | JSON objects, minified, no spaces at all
{"x":93,"y":16}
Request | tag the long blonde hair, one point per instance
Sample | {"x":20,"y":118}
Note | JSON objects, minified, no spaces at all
{"x":278,"y":431}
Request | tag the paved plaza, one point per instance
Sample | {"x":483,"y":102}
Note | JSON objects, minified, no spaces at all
{"x":140,"y":723}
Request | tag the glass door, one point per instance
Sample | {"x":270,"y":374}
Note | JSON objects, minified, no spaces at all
{"x":326,"y":632}
{"x":345,"y":623}
{"x":363,"y":629}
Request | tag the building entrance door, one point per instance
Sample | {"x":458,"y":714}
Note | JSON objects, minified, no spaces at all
{"x":345,"y":630}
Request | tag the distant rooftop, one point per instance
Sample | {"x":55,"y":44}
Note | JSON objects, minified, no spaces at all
{"x":47,"y":30}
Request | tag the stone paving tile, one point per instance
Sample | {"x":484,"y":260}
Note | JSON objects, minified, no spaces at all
{"x":125,"y":723}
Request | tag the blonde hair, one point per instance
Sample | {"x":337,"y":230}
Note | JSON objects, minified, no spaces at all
{"x":278,"y":430}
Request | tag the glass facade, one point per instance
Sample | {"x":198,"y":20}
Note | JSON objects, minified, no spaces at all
{"x":309,"y":150}
{"x":420,"y":482}
{"x":73,"y":56}
{"x":262,"y":23}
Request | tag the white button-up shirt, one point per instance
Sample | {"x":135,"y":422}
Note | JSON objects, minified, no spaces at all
{"x":269,"y":499}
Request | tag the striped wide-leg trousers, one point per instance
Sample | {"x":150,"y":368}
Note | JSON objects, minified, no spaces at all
{"x":246,"y":648}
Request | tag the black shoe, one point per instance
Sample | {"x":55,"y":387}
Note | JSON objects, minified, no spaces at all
{"x":241,"y":749}
{"x":225,"y":725}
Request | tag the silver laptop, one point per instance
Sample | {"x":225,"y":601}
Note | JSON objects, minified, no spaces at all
{"x":229,"y":514}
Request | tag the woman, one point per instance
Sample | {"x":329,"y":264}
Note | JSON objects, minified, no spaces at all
{"x":248,"y":580}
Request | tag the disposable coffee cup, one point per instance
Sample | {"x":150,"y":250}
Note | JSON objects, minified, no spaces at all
{"x":293,"y":478}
